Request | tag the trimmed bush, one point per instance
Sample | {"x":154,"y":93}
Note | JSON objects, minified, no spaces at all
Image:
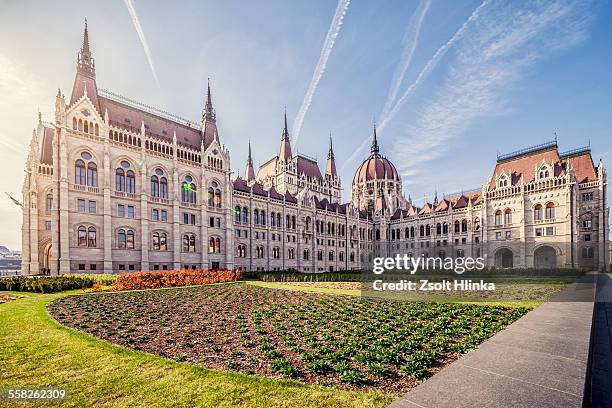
{"x":45,"y":284}
{"x":174,"y":278}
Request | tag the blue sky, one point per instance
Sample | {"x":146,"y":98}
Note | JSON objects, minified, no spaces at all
{"x":477,"y":78}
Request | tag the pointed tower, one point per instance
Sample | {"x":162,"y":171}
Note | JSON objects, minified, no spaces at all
{"x":330,"y":168}
{"x":374,"y":150}
{"x":209,"y":120}
{"x":85,"y":79}
{"x":249,"y":173}
{"x":285,"y":149}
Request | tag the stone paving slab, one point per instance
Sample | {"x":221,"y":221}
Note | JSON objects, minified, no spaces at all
{"x":541,"y":360}
{"x":601,"y":374}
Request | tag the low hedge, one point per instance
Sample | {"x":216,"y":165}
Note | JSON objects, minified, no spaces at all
{"x":173,"y":278}
{"x":45,"y":284}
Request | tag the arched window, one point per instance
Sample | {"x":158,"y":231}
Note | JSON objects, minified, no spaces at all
{"x":464,"y":225}
{"x":79,"y":173}
{"x":288,"y":221}
{"x":121,"y":238}
{"x":537,"y":212}
{"x":130,"y":184}
{"x":156,"y":241}
{"x":91,"y":237}
{"x":237,"y":213}
{"x":262,"y":217}
{"x":279,"y":224}
{"x":82,"y":236}
{"x":97,"y":132}
{"x":307,"y":223}
{"x":241,"y":253}
{"x":80,"y":125}
{"x":503,"y":181}
{"x":92,"y":174}
{"x":293,"y":222}
{"x":163,"y":188}
{"x":377,"y":235}
{"x":273,"y":219}
{"x":259,"y":251}
{"x":163,"y":242}
{"x":427,"y":230}
{"x":154,"y":186}
{"x":120,"y":180}
{"x":74,"y":124}
{"x":211,"y":196}
{"x":422,"y":231}
{"x":550,"y":211}
{"x":498,"y":217}
{"x":291,"y":253}
{"x":331,"y":255}
{"x":476,"y":224}
{"x":214,"y":245}
{"x":255,"y":216}
{"x":457,"y":226}
{"x":543,"y":172}
{"x":188,"y":190}
{"x":49,"y":202}
{"x":129,"y":243}
{"x":245,"y":214}
{"x":444,"y":228}
{"x":85,"y":127}
{"x":438,"y":229}
{"x":508,"y":216}
{"x":411,"y":232}
{"x":275,"y":253}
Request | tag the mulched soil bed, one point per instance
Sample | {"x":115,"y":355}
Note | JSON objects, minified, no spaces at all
{"x":343,"y":341}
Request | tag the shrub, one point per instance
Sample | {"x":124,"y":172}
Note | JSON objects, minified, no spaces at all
{"x":173,"y":278}
{"x":46,"y":284}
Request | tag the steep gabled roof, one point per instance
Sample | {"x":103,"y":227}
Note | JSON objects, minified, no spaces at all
{"x":46,"y":151}
{"x":241,"y":185}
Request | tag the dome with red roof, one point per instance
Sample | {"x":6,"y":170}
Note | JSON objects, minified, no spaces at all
{"x":375,"y":167}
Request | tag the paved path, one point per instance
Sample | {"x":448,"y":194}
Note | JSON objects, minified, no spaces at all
{"x":541,"y":360}
{"x":601,"y":373}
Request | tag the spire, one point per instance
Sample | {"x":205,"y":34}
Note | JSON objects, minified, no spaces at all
{"x":374,"y":149}
{"x":285,"y":149}
{"x":209,"y":111}
{"x":285,"y":131}
{"x":249,"y":170}
{"x":330,"y":168}
{"x":209,"y":119}
{"x":85,"y":62}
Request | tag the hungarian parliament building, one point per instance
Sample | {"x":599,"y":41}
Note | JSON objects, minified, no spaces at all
{"x":113,"y":185}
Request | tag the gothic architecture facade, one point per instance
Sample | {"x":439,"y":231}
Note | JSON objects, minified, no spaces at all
{"x":114,"y":185}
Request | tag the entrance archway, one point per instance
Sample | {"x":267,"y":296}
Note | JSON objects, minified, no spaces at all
{"x":545,"y":257}
{"x":504,"y":258}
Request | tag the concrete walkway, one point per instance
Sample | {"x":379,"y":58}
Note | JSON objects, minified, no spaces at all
{"x":541,"y":360}
{"x":601,"y":373}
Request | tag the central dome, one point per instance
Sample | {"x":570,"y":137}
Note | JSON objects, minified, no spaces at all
{"x":375,"y":167}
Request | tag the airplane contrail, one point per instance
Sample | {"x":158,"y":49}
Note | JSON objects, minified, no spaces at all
{"x":411,"y":39}
{"x":141,"y":36}
{"x":328,"y":45}
{"x":429,"y":66}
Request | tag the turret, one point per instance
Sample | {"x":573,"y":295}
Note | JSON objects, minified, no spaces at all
{"x":285,"y":149}
{"x":85,"y":79}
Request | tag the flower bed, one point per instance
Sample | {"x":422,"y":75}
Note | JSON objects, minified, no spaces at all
{"x":45,"y":284}
{"x":348,"y":342}
{"x":173,"y":278}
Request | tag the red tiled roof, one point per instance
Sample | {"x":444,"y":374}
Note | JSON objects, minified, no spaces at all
{"x":308,"y":167}
{"x":82,"y":82}
{"x":525,"y":166}
{"x":131,"y":117}
{"x":275,"y":194}
{"x":241,"y":185}
{"x":583,"y":167}
{"x":46,"y":152}
{"x":259,"y":190}
{"x":290,"y":198}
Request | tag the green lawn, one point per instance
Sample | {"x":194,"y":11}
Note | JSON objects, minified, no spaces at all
{"x":37,"y":352}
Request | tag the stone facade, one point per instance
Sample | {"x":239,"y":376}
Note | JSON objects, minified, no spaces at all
{"x":113,"y":185}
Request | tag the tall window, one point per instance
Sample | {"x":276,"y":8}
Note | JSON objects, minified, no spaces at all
{"x":237,"y":212}
{"x":92,"y":174}
{"x":163,"y":187}
{"x":120,"y":180}
{"x":262,"y":217}
{"x":188,"y":190}
{"x":503,"y":181}
{"x":498,"y":217}
{"x":550,"y":211}
{"x":214,"y":195}
{"x":154,"y":186}
{"x":241,"y":253}
{"x":130,"y":182}
{"x":279,"y":224}
{"x":259,"y":251}
{"x":537,"y":212}
{"x":273,"y":219}
{"x":125,"y":238}
{"x":214,"y":245}
{"x":189,"y":243}
{"x":255,"y":216}
{"x":82,"y":236}
{"x":543,"y":172}
{"x":464,"y":226}
{"x":160,"y":241}
{"x":49,"y":202}
{"x":80,"y":176}
{"x":508,"y":216}
{"x":91,"y":237}
{"x":245,"y":214}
